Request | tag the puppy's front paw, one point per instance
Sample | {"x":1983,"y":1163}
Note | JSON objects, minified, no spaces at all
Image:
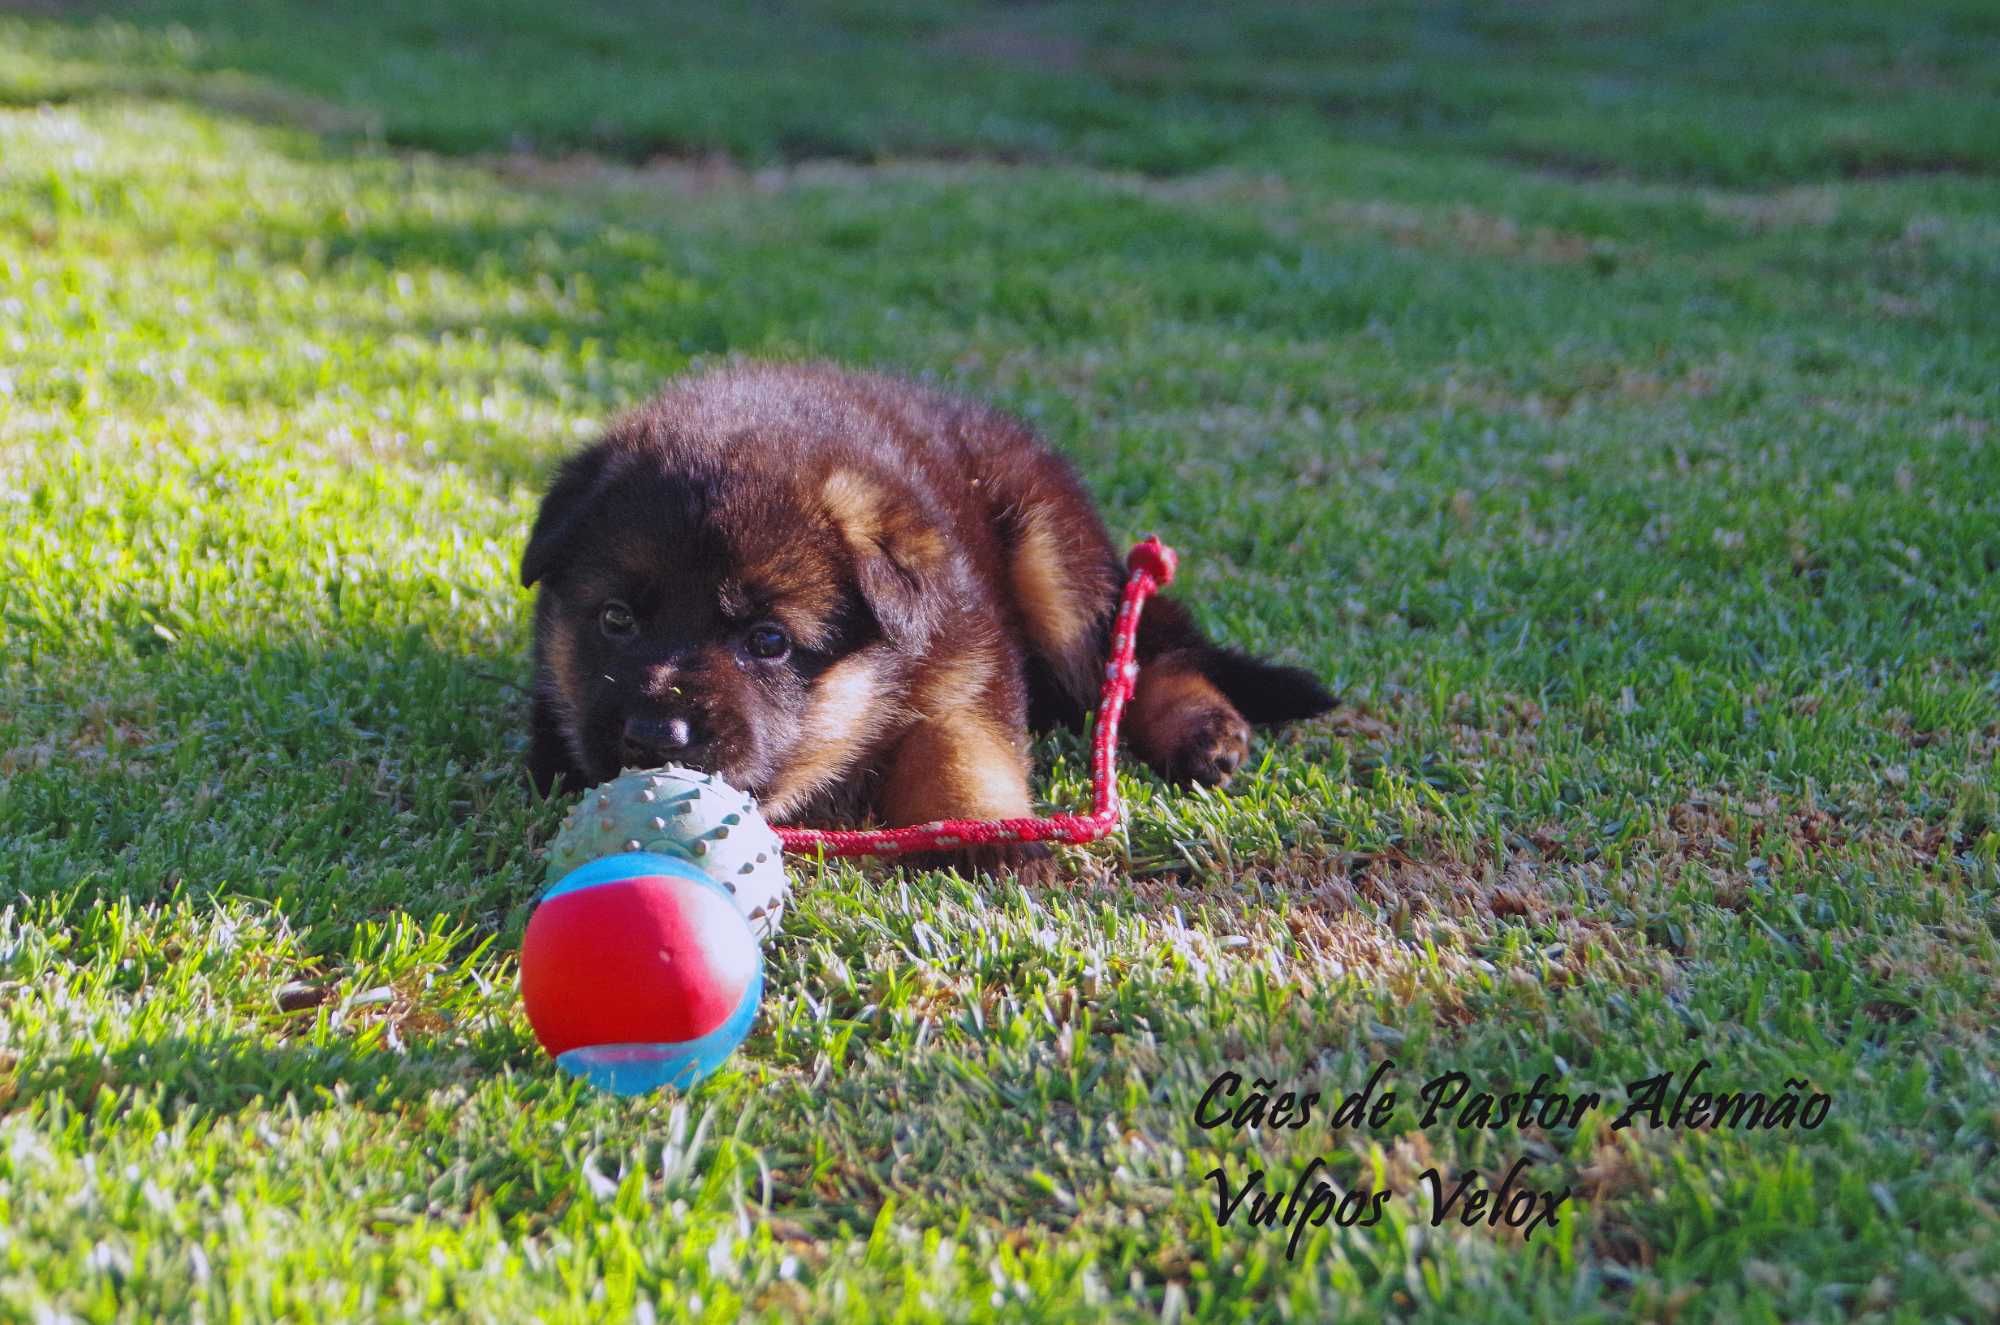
{"x":1207,"y":746}
{"x":1029,"y":862}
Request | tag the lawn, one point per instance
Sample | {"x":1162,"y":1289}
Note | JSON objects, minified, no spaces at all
{"x":1602,"y":396}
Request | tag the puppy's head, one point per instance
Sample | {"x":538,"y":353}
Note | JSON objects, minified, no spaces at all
{"x":751,"y":620}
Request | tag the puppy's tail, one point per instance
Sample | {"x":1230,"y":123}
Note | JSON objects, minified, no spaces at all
{"x":1265,"y":693}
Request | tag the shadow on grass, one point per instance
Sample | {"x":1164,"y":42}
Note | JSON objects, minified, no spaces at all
{"x":343,"y":779}
{"x":225,"y":1074}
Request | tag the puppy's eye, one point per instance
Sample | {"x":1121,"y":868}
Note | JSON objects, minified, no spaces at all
{"x":616,"y":620}
{"x":765,"y":640}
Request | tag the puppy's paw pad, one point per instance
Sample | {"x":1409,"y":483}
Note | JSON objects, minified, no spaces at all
{"x":1212,"y":745}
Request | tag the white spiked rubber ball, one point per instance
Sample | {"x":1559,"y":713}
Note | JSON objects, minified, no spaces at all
{"x":680,"y":812}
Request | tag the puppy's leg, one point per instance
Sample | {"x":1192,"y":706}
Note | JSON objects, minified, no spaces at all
{"x":1179,"y":721}
{"x":1195,"y":703}
{"x":965,"y":760}
{"x":1063,"y":580}
{"x":956,"y":766}
{"x":1182,"y":726}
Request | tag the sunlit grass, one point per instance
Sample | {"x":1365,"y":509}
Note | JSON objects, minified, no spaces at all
{"x":1646,"y":523}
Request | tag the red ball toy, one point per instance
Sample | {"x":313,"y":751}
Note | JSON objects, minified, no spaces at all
{"x":638,"y":971}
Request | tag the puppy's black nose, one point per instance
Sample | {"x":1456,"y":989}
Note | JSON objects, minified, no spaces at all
{"x":651,"y":741}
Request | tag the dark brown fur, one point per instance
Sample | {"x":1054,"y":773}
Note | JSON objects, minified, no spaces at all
{"x":941,"y":578}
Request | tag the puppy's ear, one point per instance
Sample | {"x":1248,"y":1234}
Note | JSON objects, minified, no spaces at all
{"x":1265,"y":693}
{"x":899,"y":556}
{"x":569,"y":497}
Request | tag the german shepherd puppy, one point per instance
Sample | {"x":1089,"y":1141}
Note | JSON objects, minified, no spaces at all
{"x":851,"y":595}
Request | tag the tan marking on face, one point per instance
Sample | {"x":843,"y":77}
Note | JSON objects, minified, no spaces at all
{"x":797,"y":588}
{"x":634,"y":558}
{"x":809,"y":622}
{"x":850,"y":707}
{"x":589,"y":585}
{"x":783,"y":567}
{"x":1059,"y":608}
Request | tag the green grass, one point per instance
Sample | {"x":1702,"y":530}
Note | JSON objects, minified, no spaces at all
{"x":1604,"y":397}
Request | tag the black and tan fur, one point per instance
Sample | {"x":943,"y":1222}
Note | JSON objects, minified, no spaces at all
{"x":940,"y":578}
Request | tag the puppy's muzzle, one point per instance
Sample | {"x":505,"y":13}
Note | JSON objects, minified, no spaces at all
{"x":650,"y":742}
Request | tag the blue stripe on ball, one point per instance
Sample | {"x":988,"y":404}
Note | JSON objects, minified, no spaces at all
{"x":629,"y":865}
{"x":634,"y":1069}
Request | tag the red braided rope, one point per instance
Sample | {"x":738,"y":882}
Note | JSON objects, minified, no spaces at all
{"x":1151,"y":564}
